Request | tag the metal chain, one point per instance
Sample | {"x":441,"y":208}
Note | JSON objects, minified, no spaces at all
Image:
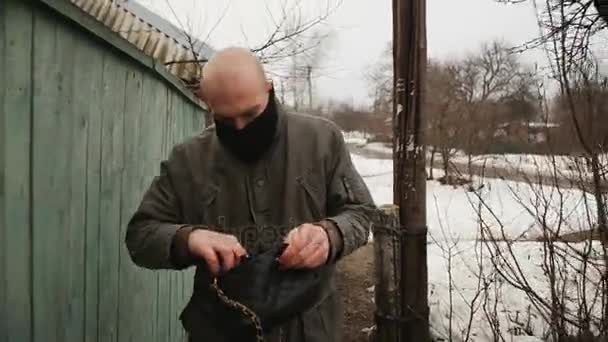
{"x":247,"y":312}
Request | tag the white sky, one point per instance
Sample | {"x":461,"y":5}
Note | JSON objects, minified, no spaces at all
{"x":361,"y":31}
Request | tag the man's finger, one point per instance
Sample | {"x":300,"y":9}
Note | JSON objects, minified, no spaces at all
{"x":240,"y":250}
{"x":239,"y":253}
{"x":299,"y":239}
{"x":315,"y":246}
{"x":292,"y":249}
{"x":291,"y":236}
{"x":288,"y":255}
{"x":305,"y":234}
{"x":308,"y":249}
{"x":228,"y":259}
{"x":317,"y":258}
{"x":296,"y":260}
{"x":211,"y":259}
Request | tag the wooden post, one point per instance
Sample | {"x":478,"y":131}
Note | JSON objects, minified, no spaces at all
{"x":409,"y":54}
{"x":387,"y":258}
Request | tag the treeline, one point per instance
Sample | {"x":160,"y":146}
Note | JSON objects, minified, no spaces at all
{"x":487,"y":102}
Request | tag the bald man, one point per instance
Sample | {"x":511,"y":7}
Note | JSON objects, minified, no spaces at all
{"x":258,"y":176}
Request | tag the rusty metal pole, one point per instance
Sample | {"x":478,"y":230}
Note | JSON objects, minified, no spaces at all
{"x":410,"y":57}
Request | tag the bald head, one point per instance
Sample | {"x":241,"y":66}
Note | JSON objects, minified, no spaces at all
{"x":233,"y":63}
{"x":234,"y":85}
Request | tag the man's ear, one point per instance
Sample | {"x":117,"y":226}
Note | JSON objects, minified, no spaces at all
{"x":268,"y":85}
{"x":200,"y":93}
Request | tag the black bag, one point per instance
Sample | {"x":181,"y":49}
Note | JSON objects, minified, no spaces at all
{"x":257,"y":296}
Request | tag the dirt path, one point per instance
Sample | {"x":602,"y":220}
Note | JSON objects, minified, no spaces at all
{"x":355,"y":276}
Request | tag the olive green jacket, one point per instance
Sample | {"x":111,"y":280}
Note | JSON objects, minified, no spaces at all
{"x":307,"y":176}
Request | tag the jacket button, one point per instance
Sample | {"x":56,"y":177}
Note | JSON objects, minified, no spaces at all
{"x":260,"y":182}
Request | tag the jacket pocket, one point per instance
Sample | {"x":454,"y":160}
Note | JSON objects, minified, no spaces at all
{"x":313,"y":196}
{"x":207,"y":205}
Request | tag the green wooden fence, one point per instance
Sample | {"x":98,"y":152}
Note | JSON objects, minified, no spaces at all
{"x":85,"y":119}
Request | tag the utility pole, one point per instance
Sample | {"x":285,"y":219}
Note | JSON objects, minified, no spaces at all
{"x":309,"y":79}
{"x":410,"y":57}
{"x":282,"y":90}
{"x":294,"y":79}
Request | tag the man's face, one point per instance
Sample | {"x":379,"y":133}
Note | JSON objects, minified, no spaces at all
{"x":238,"y":105}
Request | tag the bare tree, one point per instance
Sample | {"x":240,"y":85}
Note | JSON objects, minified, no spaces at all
{"x":590,"y":97}
{"x":294,"y":32}
{"x":444,"y":123}
{"x":298,"y":72}
{"x":380,"y":83}
{"x":574,"y":22}
{"x":574,"y":66}
{"x":460,"y":324}
{"x":570,"y":294}
{"x":485,"y":80}
{"x":380,"y":79}
{"x":572,"y":300}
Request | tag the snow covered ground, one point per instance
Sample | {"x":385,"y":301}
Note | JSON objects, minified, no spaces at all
{"x":564,"y":166}
{"x":453,"y":221}
{"x":453,"y":210}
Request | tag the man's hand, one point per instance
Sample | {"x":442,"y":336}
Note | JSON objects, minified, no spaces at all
{"x":308,"y":247}
{"x":222,"y":252}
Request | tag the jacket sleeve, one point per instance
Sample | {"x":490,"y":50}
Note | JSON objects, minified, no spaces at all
{"x":350,"y":204}
{"x":152,"y":236}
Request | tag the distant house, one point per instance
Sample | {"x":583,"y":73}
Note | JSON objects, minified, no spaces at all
{"x":525,"y":132}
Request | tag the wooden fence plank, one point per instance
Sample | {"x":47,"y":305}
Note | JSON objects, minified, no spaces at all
{"x":175,"y":112}
{"x":114,"y":74}
{"x":51,"y":178}
{"x":147,"y":167}
{"x":73,"y":110}
{"x":168,"y":134}
{"x":87,"y":111}
{"x":3,"y":230}
{"x":62,"y":252}
{"x":191,"y":118}
{"x":135,"y":282}
{"x":93,"y":184}
{"x":42,"y":177}
{"x":199,"y":119}
{"x":159,"y":116}
{"x":17,"y":28}
{"x":181,"y":119}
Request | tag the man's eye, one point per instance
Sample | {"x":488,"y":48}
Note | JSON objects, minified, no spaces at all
{"x":252,"y":113}
{"x":221,"y":118}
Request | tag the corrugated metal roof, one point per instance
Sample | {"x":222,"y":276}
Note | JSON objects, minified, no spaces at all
{"x":150,"y":33}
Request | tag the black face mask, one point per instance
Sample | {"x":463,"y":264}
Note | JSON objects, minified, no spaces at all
{"x":250,"y":143}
